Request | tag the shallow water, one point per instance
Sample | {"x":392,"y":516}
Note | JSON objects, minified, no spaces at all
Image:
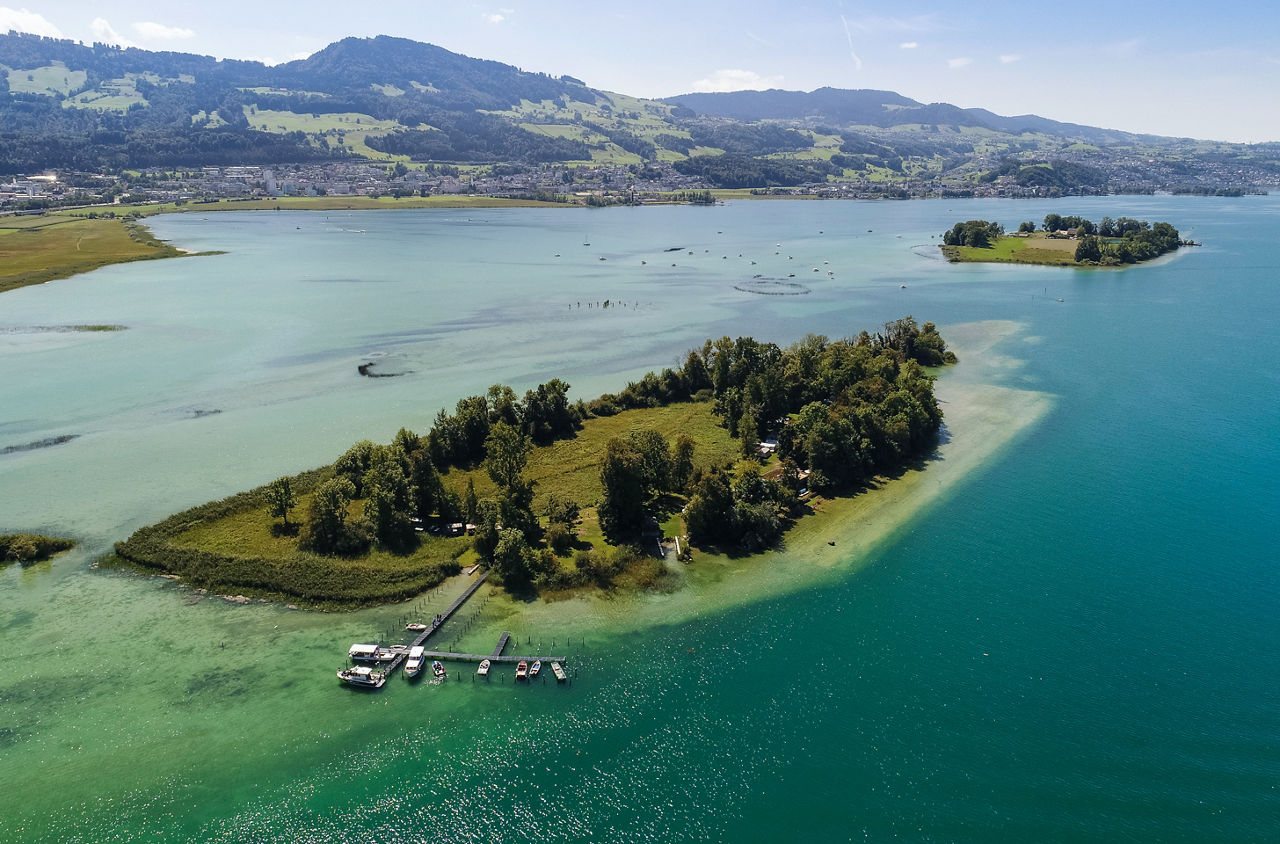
{"x":1075,"y":641}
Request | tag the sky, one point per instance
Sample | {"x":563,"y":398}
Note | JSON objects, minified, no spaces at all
{"x":1182,"y":68}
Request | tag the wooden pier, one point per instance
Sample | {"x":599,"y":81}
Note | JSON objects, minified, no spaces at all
{"x":496,"y":656}
{"x":437,"y":622}
{"x":402,"y":651}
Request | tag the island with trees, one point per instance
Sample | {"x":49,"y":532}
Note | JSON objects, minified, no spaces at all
{"x":720,"y":455}
{"x":28,"y":548}
{"x":1061,"y":241}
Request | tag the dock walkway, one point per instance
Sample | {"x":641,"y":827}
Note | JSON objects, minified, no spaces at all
{"x":437,"y":623}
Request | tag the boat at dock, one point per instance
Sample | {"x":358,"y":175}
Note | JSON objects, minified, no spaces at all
{"x":483,"y":670}
{"x":415,"y":626}
{"x":522,"y":670}
{"x":413,"y":665}
{"x":375,"y":653}
{"x":437,"y":668}
{"x":363,"y":676}
{"x":558,"y":670}
{"x":535,"y":668}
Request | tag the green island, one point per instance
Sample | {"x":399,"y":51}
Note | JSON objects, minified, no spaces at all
{"x":28,"y":548}
{"x":1061,"y":242}
{"x":717,"y":459}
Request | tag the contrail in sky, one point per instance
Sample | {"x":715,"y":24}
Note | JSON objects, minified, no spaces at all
{"x":857,"y":62}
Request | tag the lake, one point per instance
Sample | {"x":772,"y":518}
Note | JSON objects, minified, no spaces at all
{"x":1075,"y":640}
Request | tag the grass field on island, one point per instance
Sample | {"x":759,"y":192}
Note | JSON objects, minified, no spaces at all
{"x":37,"y":249}
{"x":241,"y":548}
{"x":1035,"y":249}
{"x":571,"y":468}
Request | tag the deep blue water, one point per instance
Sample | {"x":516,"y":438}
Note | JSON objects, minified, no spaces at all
{"x":1081,"y":643}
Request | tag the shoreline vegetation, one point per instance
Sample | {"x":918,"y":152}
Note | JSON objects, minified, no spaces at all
{"x":28,"y":548}
{"x":1061,"y":242}
{"x":722,"y":457}
{"x":36,"y":249}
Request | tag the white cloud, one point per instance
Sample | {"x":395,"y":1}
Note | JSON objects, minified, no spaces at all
{"x":729,"y":79}
{"x":908,"y":45}
{"x":23,"y":20}
{"x":272,"y":62}
{"x":1009,"y":58}
{"x":151,"y":29}
{"x":104,"y":32}
{"x":956,"y":64}
{"x":494,"y":17}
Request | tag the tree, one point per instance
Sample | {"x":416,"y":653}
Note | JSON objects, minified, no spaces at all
{"x":1088,"y":249}
{"x":655,"y":457}
{"x":748,"y":433}
{"x":1052,"y":222}
{"x":503,"y":405}
{"x":470,"y":504}
{"x":709,"y":515}
{"x":622,"y":475}
{"x":327,"y":529}
{"x":280,"y":500}
{"x":682,"y":462}
{"x":1027,"y":226}
{"x":513,"y":560}
{"x":561,"y":511}
{"x":426,"y":484}
{"x":506,"y":452}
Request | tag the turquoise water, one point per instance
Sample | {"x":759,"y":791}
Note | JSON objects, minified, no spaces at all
{"x":1078,"y":644}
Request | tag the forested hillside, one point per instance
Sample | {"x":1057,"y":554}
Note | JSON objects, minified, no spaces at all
{"x":65,"y":105}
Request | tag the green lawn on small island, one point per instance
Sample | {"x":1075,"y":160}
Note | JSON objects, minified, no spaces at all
{"x":571,"y":468}
{"x":1036,"y":248}
{"x":1063,"y":241}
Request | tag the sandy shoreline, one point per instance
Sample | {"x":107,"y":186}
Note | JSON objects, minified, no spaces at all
{"x":982,"y":419}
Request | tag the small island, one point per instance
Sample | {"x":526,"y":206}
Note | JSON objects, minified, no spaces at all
{"x":28,"y":548}
{"x":1061,"y":242}
{"x":720,"y":456}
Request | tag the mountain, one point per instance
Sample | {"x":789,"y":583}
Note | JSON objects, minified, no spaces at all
{"x":883,"y":109}
{"x":95,"y":108}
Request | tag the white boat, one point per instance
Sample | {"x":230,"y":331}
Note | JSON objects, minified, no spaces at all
{"x":413,"y":665}
{"x":415,"y":626}
{"x":375,"y":653}
{"x":483,"y":670}
{"x":437,"y":668}
{"x":558,"y":670}
{"x":362,"y":675}
{"x":535,"y":668}
{"x":364,"y":653}
{"x":522,"y":670}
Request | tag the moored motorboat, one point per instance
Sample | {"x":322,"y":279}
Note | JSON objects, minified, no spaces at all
{"x":558,"y":670}
{"x":413,"y":665}
{"x":375,"y":653}
{"x":362,"y":675}
{"x":522,"y":670}
{"x":437,"y":668}
{"x":483,"y":670}
{"x":415,"y":626}
{"x":535,"y":668}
